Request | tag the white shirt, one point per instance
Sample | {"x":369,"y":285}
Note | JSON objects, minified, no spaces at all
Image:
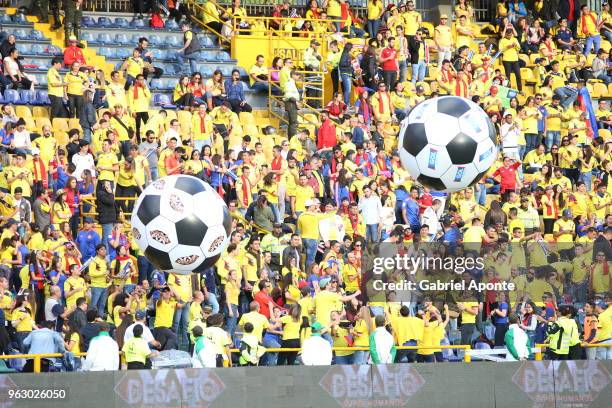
{"x":316,"y":351}
{"x":510,"y":135}
{"x":102,"y":355}
{"x":430,"y":218}
{"x":83,"y":162}
{"x":370,"y":208}
{"x":169,"y":134}
{"x":146,"y":333}
{"x":383,"y":343}
{"x":21,"y":140}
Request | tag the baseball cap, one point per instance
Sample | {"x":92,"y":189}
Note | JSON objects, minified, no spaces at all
{"x":207,"y":309}
{"x":567,"y":213}
{"x":323,"y":282}
{"x":277,"y":225}
{"x":72,"y":38}
{"x":308,"y":203}
{"x":316,"y":327}
{"x":601,"y":304}
{"x":35,"y":151}
{"x":141,"y":314}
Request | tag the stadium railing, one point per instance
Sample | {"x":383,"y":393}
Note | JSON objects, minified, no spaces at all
{"x":38,"y":357}
{"x":539,"y":356}
{"x":466,"y":356}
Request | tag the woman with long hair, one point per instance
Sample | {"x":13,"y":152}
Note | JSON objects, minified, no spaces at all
{"x":364,"y":107}
{"x":263,"y":215}
{"x":183,"y":95}
{"x":22,"y":320}
{"x":217,"y":175}
{"x":60,"y":210}
{"x":587,"y":164}
{"x":271,"y":187}
{"x":550,"y":210}
{"x":361,"y":334}
{"x":123,"y":270}
{"x":195,"y":166}
{"x":86,"y":188}
{"x":37,"y":283}
{"x":291,"y":324}
{"x":215,"y":90}
{"x":291,"y":291}
{"x":100,"y":83}
{"x":14,"y":71}
{"x":495,"y":215}
{"x":126,"y":322}
{"x":232,"y":293}
{"x":72,"y":341}
{"x":120,"y":308}
{"x":72,"y":196}
{"x":198,"y":88}
{"x":528,"y":320}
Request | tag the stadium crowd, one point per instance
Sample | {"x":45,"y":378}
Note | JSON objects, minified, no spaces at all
{"x":309,"y":208}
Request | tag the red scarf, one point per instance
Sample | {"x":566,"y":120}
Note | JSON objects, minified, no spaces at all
{"x":136,"y":86}
{"x":246,"y":190}
{"x":277,"y":164}
{"x":381,"y":108}
{"x":354,"y":219}
{"x":446,"y":75}
{"x":40,"y":173}
{"x":365,"y":107}
{"x":570,"y":15}
{"x":606,"y":270}
{"x":382,"y":164}
{"x":203,"y":123}
{"x":552,"y":209}
{"x":583,"y":22}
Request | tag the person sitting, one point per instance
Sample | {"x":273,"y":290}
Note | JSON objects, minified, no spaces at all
{"x":235,"y":93}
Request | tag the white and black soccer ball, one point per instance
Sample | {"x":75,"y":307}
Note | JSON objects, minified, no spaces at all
{"x":447,"y":143}
{"x":181,"y":224}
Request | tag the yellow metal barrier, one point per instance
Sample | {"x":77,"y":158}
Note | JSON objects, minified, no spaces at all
{"x":38,"y":357}
{"x":313,"y":80}
{"x":539,"y":354}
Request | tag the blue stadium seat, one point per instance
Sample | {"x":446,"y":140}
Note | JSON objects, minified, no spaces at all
{"x":87,"y":36}
{"x":24,"y":48}
{"x":105,"y":51}
{"x":121,"y":39}
{"x":36,"y":35}
{"x":88,"y":21}
{"x":155,"y":40}
{"x":105,"y":38}
{"x":104,"y":22}
{"x":156,"y":83}
{"x":25,"y":97}
{"x":161,"y":54}
{"x":171,"y":24}
{"x":172,"y":41}
{"x":137,"y":23}
{"x":223,"y":56}
{"x":207,"y":42}
{"x":54,"y":50}
{"x":20,"y":34}
{"x":226,"y":71}
{"x":19,"y":18}
{"x":123,"y":53}
{"x":243,"y":72}
{"x":42,"y":98}
{"x":121,"y":22}
{"x":162,"y":100}
{"x":5,"y":19}
{"x":2,"y":98}
{"x":42,"y":79}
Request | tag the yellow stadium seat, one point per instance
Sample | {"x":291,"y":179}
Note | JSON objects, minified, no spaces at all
{"x":23,"y":111}
{"x":525,"y":58}
{"x":73,"y":123}
{"x":429,"y":26}
{"x":61,"y":137}
{"x":40,"y":112}
{"x":590,"y":59}
{"x":42,"y":121}
{"x":409,"y":87}
{"x":521,"y":98}
{"x":610,"y":89}
{"x":600,"y":90}
{"x":30,"y":124}
{"x":246,"y":118}
{"x":526,"y":74}
{"x":311,"y":118}
{"x":605,"y":44}
{"x":604,"y":134}
{"x":533,"y":57}
{"x":171,"y":114}
{"x":60,"y":124}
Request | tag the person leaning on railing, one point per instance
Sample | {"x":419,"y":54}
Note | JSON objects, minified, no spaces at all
{"x":210,"y":16}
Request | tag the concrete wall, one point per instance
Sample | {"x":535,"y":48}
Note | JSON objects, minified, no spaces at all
{"x":576,"y":384}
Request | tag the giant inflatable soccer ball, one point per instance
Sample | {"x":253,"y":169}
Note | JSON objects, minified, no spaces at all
{"x":447,"y":143}
{"x":181,"y":224}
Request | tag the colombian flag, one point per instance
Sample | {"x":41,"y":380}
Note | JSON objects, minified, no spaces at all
{"x":586,"y":105}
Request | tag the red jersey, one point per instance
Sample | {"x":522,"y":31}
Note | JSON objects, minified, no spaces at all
{"x":263,"y":299}
{"x":426,"y":200}
{"x":327,"y":135}
{"x":508,"y":176}
{"x":73,"y":53}
{"x":390,"y":65}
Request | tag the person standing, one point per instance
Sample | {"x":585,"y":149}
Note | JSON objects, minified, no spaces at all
{"x":516,"y":340}
{"x":103,"y":352}
{"x":509,"y":46}
{"x":44,"y":340}
{"x":73,"y":12}
{"x":107,"y":213}
{"x":419,"y":55}
{"x":371,"y":209}
{"x":315,"y":349}
{"x":190,"y":50}
{"x":443,"y":39}
{"x":382,"y":343}
{"x":99,"y":279}
{"x":56,"y":90}
{"x":388,"y":61}
{"x":588,"y":27}
{"x":137,"y":351}
{"x":139,"y":99}
{"x":291,"y":98}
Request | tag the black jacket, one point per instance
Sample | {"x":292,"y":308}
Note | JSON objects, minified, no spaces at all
{"x":87,"y":333}
{"x":549,"y":8}
{"x":413,"y":48}
{"x":345,"y":66}
{"x":564,"y":9}
{"x":107,"y":213}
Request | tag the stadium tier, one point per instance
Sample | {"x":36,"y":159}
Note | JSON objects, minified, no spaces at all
{"x":192,"y":184}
